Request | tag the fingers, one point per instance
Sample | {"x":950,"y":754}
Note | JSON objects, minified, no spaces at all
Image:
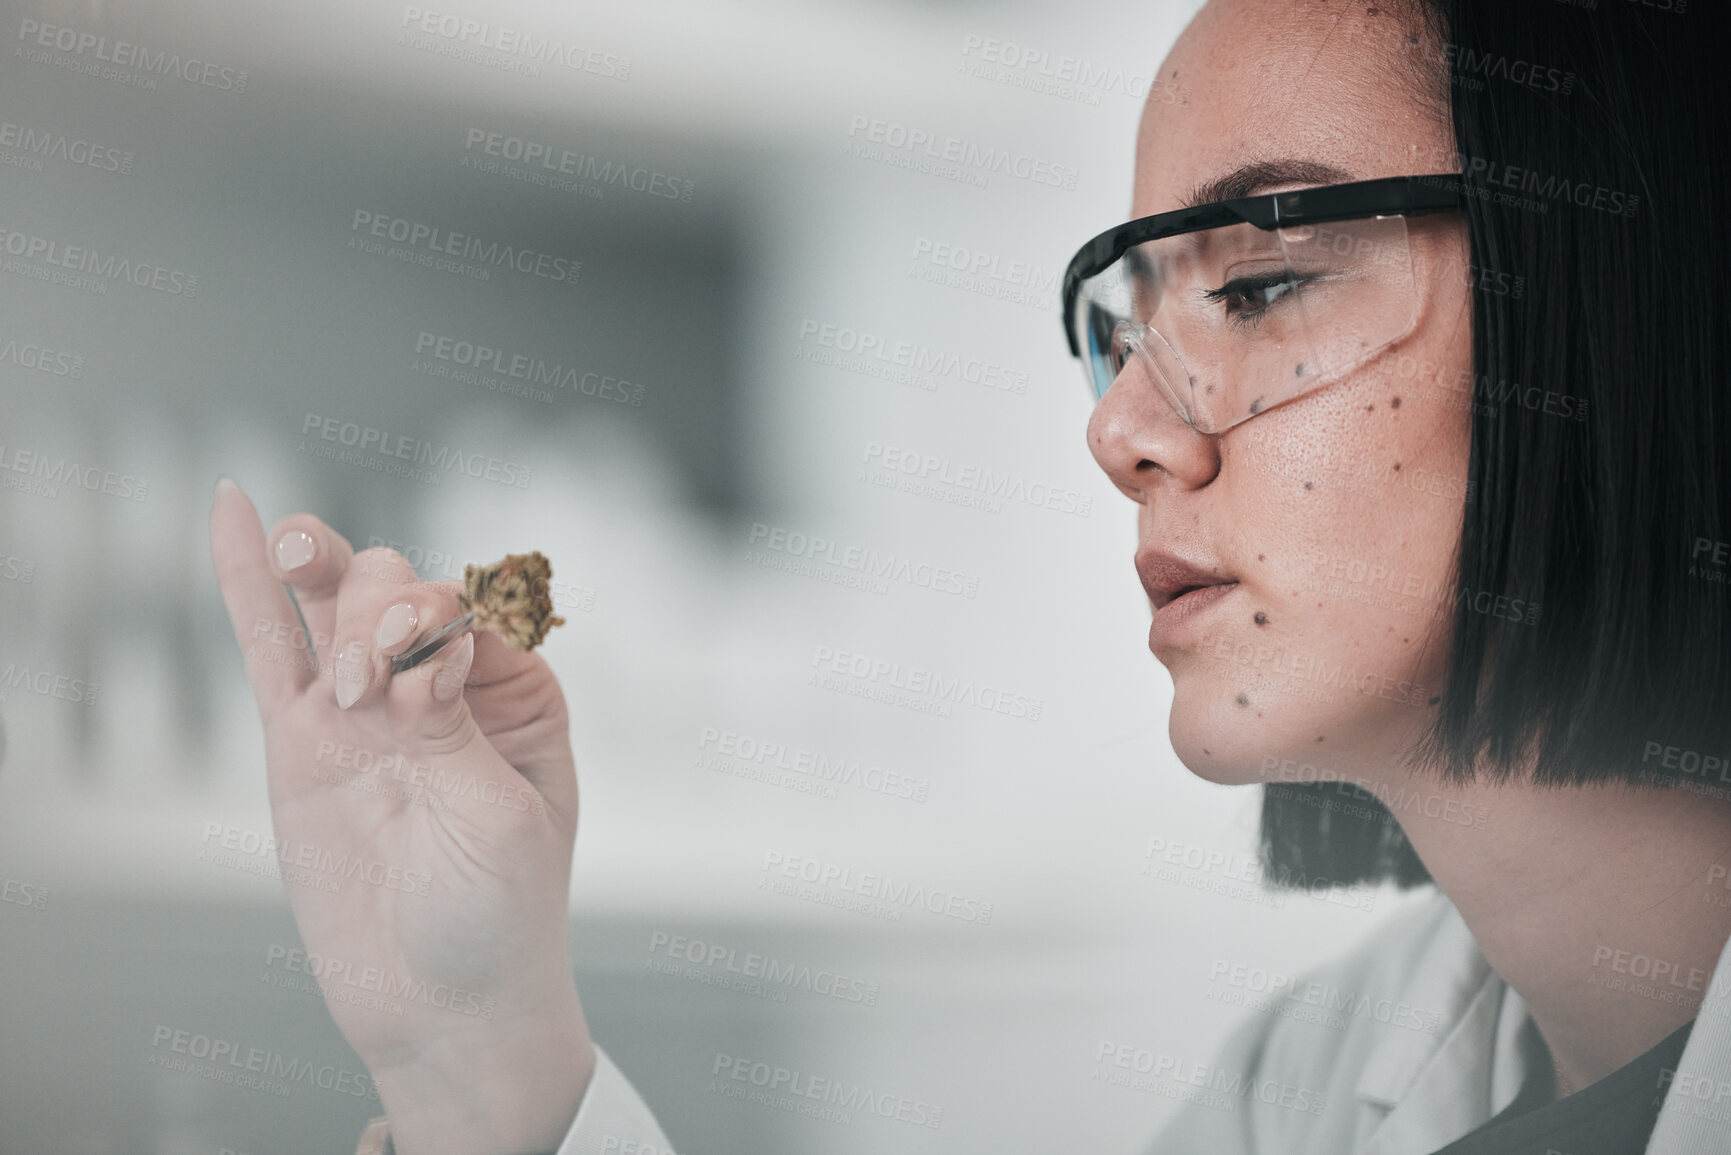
{"x":278,"y":660}
{"x":382,"y":612}
{"x":308,"y":555}
{"x":360,"y":609}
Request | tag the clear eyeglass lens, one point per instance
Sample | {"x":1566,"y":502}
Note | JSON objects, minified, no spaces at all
{"x":1232,"y":321}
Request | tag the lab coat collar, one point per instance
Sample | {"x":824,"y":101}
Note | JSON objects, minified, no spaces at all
{"x":1695,"y":1117}
{"x":1421,"y":1091}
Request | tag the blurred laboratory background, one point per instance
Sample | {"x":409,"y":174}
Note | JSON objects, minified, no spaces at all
{"x":773,"y":372}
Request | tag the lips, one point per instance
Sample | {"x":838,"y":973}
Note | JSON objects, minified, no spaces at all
{"x":1180,"y":591}
{"x":1168,"y":577}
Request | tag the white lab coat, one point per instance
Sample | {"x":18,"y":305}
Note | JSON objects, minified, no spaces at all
{"x":1393,"y":1088}
{"x":612,"y":1120}
{"x":1397,"y":1048}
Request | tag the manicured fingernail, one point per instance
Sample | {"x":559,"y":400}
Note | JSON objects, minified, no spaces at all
{"x":294,"y":549}
{"x":449,"y":683}
{"x":350,"y":673}
{"x":395,"y":625}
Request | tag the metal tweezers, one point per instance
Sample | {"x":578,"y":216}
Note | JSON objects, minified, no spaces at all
{"x":432,"y":643}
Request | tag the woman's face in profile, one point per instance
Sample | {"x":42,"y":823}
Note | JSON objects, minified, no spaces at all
{"x":1330,"y":520}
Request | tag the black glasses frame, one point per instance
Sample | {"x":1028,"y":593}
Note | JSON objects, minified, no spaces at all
{"x":1408,"y":196}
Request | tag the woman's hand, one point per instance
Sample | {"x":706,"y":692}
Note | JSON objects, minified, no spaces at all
{"x":424,"y":824}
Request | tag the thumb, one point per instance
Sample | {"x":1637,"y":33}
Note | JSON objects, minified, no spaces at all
{"x":428,"y":709}
{"x":426,"y":705}
{"x":429,"y":714}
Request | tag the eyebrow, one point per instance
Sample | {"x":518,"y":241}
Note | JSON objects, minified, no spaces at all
{"x":1246,"y":180}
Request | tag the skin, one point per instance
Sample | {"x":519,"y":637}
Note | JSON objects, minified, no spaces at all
{"x":1552,"y":876}
{"x":1548,"y":880}
{"x":488,"y":838}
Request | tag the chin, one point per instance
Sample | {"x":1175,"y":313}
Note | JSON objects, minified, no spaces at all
{"x":1216,"y":739}
{"x":1222,"y":741}
{"x":1272,"y":737}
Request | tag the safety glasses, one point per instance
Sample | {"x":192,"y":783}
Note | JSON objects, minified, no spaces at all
{"x":1235,"y":307}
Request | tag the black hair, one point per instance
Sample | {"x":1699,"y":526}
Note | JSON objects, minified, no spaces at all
{"x":1594,"y":142}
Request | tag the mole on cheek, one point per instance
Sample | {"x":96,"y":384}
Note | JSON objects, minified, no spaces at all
{"x":1258,"y":557}
{"x":1368,"y":408}
{"x":1260,"y":619}
{"x":1397,"y":467}
{"x":1310,"y":485}
{"x":1394,"y":403}
{"x":1244,"y":699}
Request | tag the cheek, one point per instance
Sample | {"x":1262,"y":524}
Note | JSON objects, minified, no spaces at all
{"x":1348,"y":511}
{"x":1372,"y":516}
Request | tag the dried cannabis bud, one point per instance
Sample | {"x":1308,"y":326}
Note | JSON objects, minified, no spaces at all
{"x":512,"y":598}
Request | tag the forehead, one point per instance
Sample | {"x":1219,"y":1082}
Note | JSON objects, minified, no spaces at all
{"x":1321,"y":82}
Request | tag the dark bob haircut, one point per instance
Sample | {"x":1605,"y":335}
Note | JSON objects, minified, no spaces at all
{"x":1617,"y":525}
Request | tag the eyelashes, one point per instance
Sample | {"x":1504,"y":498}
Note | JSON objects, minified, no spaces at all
{"x":1247,"y":300}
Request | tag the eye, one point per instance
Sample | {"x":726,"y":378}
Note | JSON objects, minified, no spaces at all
{"x":1122,"y":334}
{"x":1247,"y":299}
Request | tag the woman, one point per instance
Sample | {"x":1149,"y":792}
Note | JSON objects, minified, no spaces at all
{"x":1429,"y":482}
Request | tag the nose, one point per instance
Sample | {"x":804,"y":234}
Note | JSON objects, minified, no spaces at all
{"x":1141,"y":441}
